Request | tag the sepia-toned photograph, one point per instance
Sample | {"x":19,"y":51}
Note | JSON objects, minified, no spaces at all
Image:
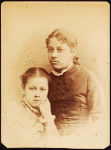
{"x":55,"y":74}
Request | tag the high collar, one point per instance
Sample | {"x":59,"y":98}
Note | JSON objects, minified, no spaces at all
{"x":74,"y":69}
{"x":68,"y":77}
{"x":63,"y":71}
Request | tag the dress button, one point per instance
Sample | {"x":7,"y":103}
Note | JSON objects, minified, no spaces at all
{"x":55,"y":99}
{"x":62,"y":93}
{"x":63,"y":87}
{"x":68,"y":87}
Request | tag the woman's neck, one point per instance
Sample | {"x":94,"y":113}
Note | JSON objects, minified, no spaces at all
{"x":58,"y":72}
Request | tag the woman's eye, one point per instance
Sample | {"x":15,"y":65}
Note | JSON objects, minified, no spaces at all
{"x":60,"y":50}
{"x":50,"y":50}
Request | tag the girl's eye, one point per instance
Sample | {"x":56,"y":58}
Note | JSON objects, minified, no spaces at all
{"x":43,"y":89}
{"x":30,"y":88}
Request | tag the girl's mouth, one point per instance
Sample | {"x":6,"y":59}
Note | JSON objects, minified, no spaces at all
{"x":54,"y":62}
{"x":36,"y":100}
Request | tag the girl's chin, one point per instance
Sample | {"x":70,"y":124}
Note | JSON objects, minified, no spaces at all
{"x":36,"y":106}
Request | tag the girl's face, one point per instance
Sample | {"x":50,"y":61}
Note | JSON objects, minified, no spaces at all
{"x":36,"y":91}
{"x":59,"y":54}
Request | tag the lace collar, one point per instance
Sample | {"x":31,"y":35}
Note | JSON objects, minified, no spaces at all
{"x":64,"y":70}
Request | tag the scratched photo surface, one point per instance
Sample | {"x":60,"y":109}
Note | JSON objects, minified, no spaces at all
{"x":25,"y":27}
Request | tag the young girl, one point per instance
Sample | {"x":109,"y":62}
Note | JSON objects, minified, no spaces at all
{"x":30,"y":123}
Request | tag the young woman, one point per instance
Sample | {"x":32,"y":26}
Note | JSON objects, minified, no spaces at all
{"x":75,"y":94}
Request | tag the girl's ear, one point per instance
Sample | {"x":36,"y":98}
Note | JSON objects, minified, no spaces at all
{"x":22,"y":90}
{"x":74,"y":51}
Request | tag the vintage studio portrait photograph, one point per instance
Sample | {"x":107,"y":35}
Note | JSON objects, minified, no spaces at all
{"x":55,"y":74}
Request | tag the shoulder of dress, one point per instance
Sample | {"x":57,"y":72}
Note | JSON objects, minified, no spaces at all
{"x":91,"y":76}
{"x":73,"y":73}
{"x":77,"y":72}
{"x":88,"y":72}
{"x":85,"y":71}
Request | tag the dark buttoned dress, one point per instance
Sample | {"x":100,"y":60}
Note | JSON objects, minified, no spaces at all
{"x":75,"y":96}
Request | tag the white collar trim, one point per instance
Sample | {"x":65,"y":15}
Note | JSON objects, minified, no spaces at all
{"x":31,"y":108}
{"x":64,"y":70}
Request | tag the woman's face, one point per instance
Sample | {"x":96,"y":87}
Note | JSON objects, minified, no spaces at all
{"x":36,"y":91}
{"x":59,"y":54}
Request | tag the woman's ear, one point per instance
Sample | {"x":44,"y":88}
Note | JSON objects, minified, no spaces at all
{"x":74,"y":51}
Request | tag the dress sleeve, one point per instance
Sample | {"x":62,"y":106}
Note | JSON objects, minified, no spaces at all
{"x":95,"y":97}
{"x":96,"y":130}
{"x":10,"y":126}
{"x":97,"y":106}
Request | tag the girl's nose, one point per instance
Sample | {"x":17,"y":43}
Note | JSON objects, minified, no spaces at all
{"x":37,"y":93}
{"x":55,"y":53}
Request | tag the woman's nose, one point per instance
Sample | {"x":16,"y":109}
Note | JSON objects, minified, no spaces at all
{"x":55,"y":53}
